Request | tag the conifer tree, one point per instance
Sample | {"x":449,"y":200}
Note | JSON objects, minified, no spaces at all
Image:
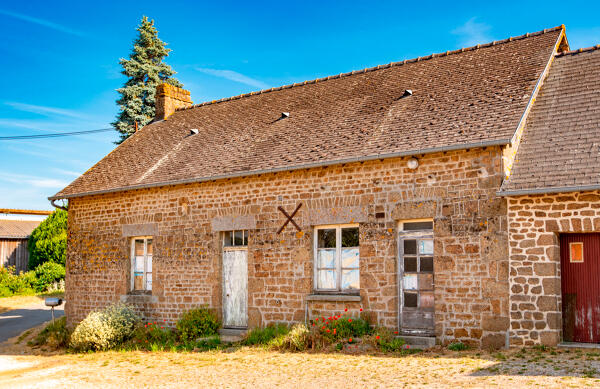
{"x":145,"y":70}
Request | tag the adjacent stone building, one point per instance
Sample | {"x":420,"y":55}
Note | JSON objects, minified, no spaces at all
{"x":554,"y":209}
{"x":379,"y":189}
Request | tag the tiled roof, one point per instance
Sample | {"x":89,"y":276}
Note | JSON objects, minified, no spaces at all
{"x":461,"y":99}
{"x":17,"y":229}
{"x":560,"y":147}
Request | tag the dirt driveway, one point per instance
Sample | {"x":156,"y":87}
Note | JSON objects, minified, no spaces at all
{"x":251,"y":368}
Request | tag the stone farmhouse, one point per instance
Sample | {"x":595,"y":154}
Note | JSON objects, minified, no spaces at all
{"x":451,"y":197}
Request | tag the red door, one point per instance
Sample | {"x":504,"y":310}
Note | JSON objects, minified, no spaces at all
{"x":580,"y":279}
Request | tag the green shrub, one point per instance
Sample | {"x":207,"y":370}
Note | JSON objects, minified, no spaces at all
{"x":396,"y":344}
{"x":54,"y":335}
{"x":48,"y":242}
{"x":105,"y":329}
{"x":12,"y":283}
{"x":265,"y":335}
{"x":457,"y":346}
{"x":152,"y":333}
{"x":335,"y":328}
{"x":297,"y":339}
{"x":47,"y":274}
{"x":197,"y":323}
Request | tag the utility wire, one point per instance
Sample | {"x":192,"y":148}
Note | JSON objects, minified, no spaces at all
{"x":56,"y":135}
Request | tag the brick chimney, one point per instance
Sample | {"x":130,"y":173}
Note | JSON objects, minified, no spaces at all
{"x":168,"y":99}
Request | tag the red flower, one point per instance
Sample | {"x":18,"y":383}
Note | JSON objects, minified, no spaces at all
{"x":377,"y":337}
{"x":162,"y":327}
{"x":350,"y":340}
{"x":334,"y":330}
{"x":349,"y":320}
{"x":313,"y":324}
{"x":407,"y":346}
{"x":317,"y":319}
{"x":328,"y":330}
{"x":361,"y":309}
{"x":345,"y":309}
{"x":165,"y":320}
{"x":396,"y":332}
{"x":154,"y":322}
{"x":329,"y":318}
{"x":335,"y":317}
{"x":146,"y":325}
{"x":323,"y":328}
{"x":327,"y":323}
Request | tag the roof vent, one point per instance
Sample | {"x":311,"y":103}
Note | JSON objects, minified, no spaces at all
{"x":407,"y":92}
{"x":193,"y":131}
{"x":285,"y":115}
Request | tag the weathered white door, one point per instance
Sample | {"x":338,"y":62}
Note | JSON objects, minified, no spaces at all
{"x":235,"y":288}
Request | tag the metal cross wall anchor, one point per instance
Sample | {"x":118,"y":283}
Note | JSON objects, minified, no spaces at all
{"x":289,"y":218}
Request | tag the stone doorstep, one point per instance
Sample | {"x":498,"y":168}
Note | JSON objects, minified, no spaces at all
{"x":578,"y":345}
{"x":422,"y":342}
{"x":230,"y":335}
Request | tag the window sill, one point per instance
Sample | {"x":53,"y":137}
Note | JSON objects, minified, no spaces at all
{"x":333,"y":297}
{"x":139,"y":298}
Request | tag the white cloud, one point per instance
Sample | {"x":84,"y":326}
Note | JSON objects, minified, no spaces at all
{"x":38,"y":182}
{"x":234,"y":76}
{"x":42,"y":22}
{"x":472,"y":33}
{"x":44,"y":110}
{"x":67,"y":172}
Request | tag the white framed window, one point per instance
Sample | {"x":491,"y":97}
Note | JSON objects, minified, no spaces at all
{"x":337,"y":258}
{"x":235,"y":238}
{"x":141,"y":263}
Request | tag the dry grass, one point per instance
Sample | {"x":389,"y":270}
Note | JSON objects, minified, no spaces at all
{"x":16,"y":302}
{"x":249,"y":368}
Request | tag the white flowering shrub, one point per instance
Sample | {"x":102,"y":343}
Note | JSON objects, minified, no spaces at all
{"x":105,"y":329}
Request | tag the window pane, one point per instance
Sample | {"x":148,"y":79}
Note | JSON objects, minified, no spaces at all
{"x":138,"y":281}
{"x":148,"y":281}
{"x":426,"y":247}
{"x":149,"y":246}
{"x":427,"y":300}
{"x":409,"y":282}
{"x":326,"y":238}
{"x":238,"y":239}
{"x":350,"y":237}
{"x":139,"y":264}
{"x":326,"y":279}
{"x":414,"y":226}
{"x":245,"y":238}
{"x":228,"y":239}
{"x":410,"y":246}
{"x":139,"y":247}
{"x":350,"y":258}
{"x":426,"y":281}
{"x":427,"y":264}
{"x":410,"y":264}
{"x":326,"y":258}
{"x":350,"y":279}
{"x":149,"y":264}
{"x":410,"y":300}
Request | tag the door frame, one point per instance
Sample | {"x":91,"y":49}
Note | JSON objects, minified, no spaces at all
{"x":226,"y":249}
{"x":400,"y":234}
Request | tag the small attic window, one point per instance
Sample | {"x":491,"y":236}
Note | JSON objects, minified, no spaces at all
{"x":285,"y":115}
{"x":407,"y":92}
{"x":193,"y":131}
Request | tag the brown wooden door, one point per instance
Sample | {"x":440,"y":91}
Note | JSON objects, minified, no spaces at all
{"x":580,"y":281}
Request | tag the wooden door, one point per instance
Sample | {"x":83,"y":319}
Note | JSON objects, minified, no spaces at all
{"x":415,"y":266}
{"x":235,"y":288}
{"x":580,"y":282}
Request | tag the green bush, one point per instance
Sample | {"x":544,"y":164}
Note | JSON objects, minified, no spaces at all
{"x":12,"y":283}
{"x":298,"y":339}
{"x":47,"y":274}
{"x":48,"y":242}
{"x":335,"y":328}
{"x":457,"y":346}
{"x":197,"y":323}
{"x":395,"y":344}
{"x":105,"y":329}
{"x":55,"y":335}
{"x":265,"y":335}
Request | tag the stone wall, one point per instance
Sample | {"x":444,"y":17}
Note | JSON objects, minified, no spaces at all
{"x":457,"y":189}
{"x":535,"y":223}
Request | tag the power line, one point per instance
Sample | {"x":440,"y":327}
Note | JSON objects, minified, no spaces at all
{"x":56,"y":135}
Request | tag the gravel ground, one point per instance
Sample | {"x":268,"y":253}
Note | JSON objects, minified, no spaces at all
{"x":251,"y":368}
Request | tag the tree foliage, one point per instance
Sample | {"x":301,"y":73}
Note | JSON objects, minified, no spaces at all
{"x":145,"y":70}
{"x":48,"y":242}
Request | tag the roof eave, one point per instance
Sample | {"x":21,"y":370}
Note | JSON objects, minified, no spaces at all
{"x":534,"y":191}
{"x":490,"y":143}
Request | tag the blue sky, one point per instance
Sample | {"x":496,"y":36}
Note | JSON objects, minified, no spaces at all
{"x":60,"y":60}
